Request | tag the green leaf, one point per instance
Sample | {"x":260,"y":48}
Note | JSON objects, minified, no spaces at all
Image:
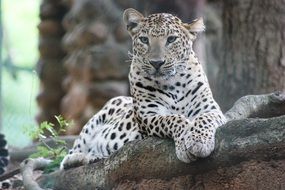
{"x":42,"y":151}
{"x":61,"y":142}
{"x":54,"y":165}
{"x":63,"y":124}
{"x":52,"y":131}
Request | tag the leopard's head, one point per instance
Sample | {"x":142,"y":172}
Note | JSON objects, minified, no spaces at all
{"x":162,"y":43}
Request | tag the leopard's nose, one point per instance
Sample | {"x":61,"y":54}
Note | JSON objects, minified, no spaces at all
{"x":157,"y":63}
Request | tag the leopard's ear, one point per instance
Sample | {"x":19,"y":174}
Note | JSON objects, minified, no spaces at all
{"x":195,"y":27}
{"x":132,"y":19}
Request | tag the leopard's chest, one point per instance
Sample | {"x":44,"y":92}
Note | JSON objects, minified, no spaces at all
{"x":182,"y":93}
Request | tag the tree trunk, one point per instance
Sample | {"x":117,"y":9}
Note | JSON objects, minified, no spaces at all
{"x":253,"y":59}
{"x":50,"y":65}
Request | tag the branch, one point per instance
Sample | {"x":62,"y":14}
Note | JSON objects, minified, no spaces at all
{"x":263,"y":106}
{"x":237,"y":141}
{"x":27,"y":168}
{"x":18,"y":155}
{"x":23,"y":153}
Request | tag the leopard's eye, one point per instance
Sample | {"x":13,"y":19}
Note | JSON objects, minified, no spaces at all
{"x":144,"y":39}
{"x":171,"y":39}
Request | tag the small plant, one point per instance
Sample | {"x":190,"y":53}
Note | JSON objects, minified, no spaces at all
{"x":58,"y":150}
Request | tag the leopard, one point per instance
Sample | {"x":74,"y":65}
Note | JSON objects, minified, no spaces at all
{"x":170,"y":95}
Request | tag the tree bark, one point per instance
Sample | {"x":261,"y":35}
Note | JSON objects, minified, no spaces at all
{"x":27,"y":168}
{"x":153,"y":158}
{"x":253,"y":54}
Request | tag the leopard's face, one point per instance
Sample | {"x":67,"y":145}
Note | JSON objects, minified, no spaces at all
{"x":162,"y":43}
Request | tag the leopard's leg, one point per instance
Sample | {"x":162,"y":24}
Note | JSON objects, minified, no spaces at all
{"x":105,"y":132}
{"x":200,"y":137}
{"x":186,"y":133}
{"x":173,"y":126}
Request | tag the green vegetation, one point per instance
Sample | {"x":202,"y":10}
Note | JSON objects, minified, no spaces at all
{"x":56,"y":153}
{"x":39,"y":133}
{"x":20,"y":19}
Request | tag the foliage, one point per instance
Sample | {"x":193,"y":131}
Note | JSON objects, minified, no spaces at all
{"x":54,"y":165}
{"x":59,"y":150}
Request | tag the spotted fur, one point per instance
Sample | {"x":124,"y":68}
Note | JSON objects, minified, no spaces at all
{"x":170,"y":95}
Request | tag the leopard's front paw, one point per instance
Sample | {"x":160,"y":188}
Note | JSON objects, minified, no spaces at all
{"x":92,"y":159}
{"x":73,"y":160}
{"x":183,"y":154}
{"x":199,"y":146}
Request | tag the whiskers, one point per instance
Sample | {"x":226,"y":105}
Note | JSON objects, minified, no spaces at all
{"x":130,"y":56}
{"x":174,"y":67}
{"x":180,"y":66}
{"x":169,"y":69}
{"x":140,"y":65}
